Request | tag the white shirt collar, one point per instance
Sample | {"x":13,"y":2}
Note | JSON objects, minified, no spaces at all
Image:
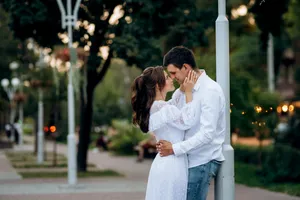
{"x":200,"y":80}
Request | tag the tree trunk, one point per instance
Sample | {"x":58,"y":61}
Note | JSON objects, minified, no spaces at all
{"x":85,"y":128}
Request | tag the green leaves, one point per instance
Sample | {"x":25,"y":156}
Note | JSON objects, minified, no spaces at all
{"x":269,"y":17}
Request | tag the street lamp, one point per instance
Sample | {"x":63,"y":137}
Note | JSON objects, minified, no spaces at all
{"x":10,"y":93}
{"x":40,"y":158}
{"x":13,"y":66}
{"x":225,"y":189}
{"x":69,"y":21}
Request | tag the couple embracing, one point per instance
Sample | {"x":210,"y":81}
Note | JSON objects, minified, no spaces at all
{"x":189,"y":128}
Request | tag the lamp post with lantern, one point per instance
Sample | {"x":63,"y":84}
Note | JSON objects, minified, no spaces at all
{"x":19,"y":98}
{"x":68,"y":21}
{"x":10,"y":88}
{"x":40,"y":158}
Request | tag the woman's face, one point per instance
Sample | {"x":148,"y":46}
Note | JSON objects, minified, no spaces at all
{"x":169,"y":86}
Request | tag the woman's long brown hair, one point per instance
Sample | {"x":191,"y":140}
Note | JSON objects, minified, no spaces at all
{"x":143,"y":94}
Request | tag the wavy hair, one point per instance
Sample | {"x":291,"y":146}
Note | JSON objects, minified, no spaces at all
{"x":143,"y":95}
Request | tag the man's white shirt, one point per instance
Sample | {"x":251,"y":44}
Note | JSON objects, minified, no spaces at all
{"x":203,"y":142}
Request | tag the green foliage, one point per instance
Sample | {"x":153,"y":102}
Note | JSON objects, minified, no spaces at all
{"x":266,"y":118}
{"x":136,"y":33}
{"x":8,"y":47}
{"x":292,"y":18}
{"x":282,"y":164}
{"x":3,"y":105}
{"x":113,"y":96}
{"x":42,"y":78}
{"x":247,"y":81}
{"x":279,"y":164}
{"x":51,"y":174}
{"x":248,"y":174}
{"x":33,"y":19}
{"x":126,"y":138}
{"x":269,"y":17}
{"x":291,"y":136}
{"x":250,"y":155}
{"x":62,"y":124}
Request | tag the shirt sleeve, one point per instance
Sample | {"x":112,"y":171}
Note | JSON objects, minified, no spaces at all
{"x":210,"y":111}
{"x":169,"y":114}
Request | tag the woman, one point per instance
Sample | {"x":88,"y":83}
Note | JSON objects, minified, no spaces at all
{"x":168,"y":175}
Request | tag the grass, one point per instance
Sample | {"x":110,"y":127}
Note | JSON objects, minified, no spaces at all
{"x":248,"y":175}
{"x":30,"y":156}
{"x":44,"y":165}
{"x":99,"y":173}
{"x":28,"y":160}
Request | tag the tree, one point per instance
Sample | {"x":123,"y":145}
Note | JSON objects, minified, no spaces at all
{"x":293,"y":28}
{"x":127,"y":29}
{"x":8,"y":45}
{"x":8,"y":52}
{"x":269,"y":17}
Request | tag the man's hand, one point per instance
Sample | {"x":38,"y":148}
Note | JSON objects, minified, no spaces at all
{"x":164,"y":148}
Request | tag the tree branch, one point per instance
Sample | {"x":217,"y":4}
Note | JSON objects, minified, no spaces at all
{"x":104,"y":69}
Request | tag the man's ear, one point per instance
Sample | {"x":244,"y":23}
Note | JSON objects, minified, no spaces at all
{"x":187,"y":67}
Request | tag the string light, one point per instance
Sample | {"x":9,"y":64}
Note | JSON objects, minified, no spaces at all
{"x":291,"y":108}
{"x":258,"y":109}
{"x":285,"y":108}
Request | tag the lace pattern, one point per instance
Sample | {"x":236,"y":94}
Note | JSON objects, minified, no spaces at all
{"x":162,"y":113}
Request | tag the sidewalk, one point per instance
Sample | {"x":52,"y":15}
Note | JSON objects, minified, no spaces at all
{"x":130,"y":187}
{"x":7,"y":172}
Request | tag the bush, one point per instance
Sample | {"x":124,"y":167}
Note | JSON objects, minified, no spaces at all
{"x":250,"y":155}
{"x":282,"y":164}
{"x":292,"y":135}
{"x":126,"y":138}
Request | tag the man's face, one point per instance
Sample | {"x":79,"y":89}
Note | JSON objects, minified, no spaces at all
{"x":178,"y":74}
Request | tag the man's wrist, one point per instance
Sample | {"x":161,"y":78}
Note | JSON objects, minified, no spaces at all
{"x":176,"y":149}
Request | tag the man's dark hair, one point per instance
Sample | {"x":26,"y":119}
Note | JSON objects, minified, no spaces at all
{"x":178,"y":56}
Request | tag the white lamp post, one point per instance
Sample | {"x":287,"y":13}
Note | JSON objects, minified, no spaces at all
{"x":10,"y":93}
{"x":69,"y":21}
{"x":13,"y":66}
{"x":40,"y":158}
{"x":224,"y":189}
{"x":270,"y":63}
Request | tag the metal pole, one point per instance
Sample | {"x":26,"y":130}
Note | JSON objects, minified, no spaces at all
{"x":224,"y":185}
{"x":70,"y":20}
{"x":270,"y":61}
{"x":12,"y":118}
{"x":72,"y":167}
{"x":21,"y":123}
{"x":21,"y":115}
{"x":40,"y":157}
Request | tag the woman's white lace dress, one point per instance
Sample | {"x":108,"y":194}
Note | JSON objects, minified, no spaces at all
{"x":168,"y":175}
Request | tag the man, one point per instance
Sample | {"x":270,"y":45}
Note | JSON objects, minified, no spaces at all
{"x":203,"y":142}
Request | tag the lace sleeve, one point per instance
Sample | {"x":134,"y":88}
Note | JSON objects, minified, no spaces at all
{"x":164,"y":113}
{"x":176,"y":99}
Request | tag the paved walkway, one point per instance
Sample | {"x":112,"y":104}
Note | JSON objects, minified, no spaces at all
{"x":130,"y":187}
{"x":7,"y":172}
